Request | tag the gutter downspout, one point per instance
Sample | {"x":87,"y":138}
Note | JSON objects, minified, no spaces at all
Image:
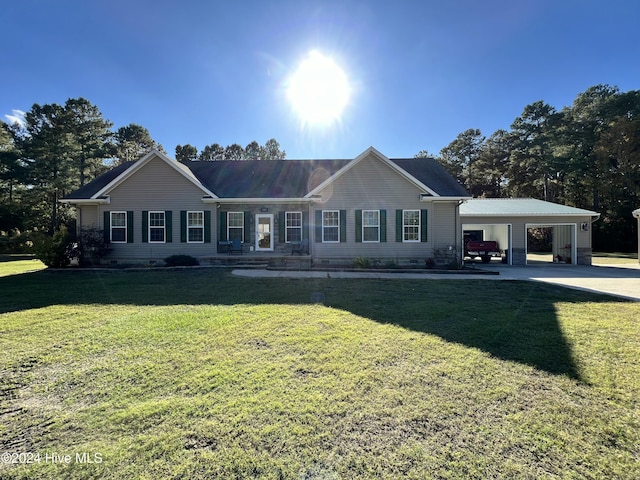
{"x":460,"y":253}
{"x":636,"y":214}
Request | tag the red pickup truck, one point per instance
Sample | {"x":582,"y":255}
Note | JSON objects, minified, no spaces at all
{"x":484,"y":249}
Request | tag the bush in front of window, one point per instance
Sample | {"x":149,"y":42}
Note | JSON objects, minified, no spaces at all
{"x":181,"y":261}
{"x":92,"y":246}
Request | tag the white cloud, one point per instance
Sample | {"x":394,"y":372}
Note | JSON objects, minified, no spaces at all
{"x":16,"y":116}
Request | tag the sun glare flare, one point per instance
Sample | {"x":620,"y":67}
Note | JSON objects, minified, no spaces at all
{"x":318,"y":90}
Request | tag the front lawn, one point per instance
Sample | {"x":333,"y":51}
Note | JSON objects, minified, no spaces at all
{"x":199,"y":374}
{"x":23,"y":264}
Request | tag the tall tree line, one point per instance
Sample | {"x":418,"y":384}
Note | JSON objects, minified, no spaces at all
{"x":253,"y":151}
{"x":585,"y":155}
{"x":55,"y":150}
{"x":59,"y":148}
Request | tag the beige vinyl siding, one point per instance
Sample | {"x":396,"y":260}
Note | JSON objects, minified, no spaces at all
{"x":444,"y":224}
{"x":373,"y":185}
{"x":158,"y":187}
{"x":88,"y":216}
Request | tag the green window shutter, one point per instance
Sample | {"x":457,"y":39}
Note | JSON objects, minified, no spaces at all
{"x":281,"y":227}
{"x":207,"y":226}
{"x":129,"y":226}
{"x":305,"y":225}
{"x":183,"y":226}
{"x":145,"y":227}
{"x":343,"y":226}
{"x":358,"y":226}
{"x":383,"y":225}
{"x":423,"y":225}
{"x":168,"y":225}
{"x":318,"y":226}
{"x":107,"y":227}
{"x":223,"y":226}
{"x":399,"y":218}
{"x":247,"y":227}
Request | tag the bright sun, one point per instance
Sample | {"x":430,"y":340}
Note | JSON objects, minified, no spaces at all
{"x":318,"y":90}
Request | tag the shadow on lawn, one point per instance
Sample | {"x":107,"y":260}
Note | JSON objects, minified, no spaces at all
{"x":511,"y":320}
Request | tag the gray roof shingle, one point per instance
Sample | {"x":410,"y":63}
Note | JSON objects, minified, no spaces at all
{"x":283,"y":178}
{"x":93,"y":187}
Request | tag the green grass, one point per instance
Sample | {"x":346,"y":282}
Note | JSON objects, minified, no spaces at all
{"x":9,"y":266}
{"x":200,"y":374}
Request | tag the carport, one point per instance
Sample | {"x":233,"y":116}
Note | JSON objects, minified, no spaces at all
{"x":512,"y":222}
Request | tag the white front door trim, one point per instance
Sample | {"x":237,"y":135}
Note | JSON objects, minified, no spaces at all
{"x":264,"y":232}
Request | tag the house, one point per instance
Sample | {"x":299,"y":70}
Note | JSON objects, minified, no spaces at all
{"x":391,"y":210}
{"x":508,"y":221}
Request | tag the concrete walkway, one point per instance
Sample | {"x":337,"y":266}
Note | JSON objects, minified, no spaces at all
{"x":618,"y":280}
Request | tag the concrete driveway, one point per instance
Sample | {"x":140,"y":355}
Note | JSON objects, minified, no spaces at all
{"x":618,"y":280}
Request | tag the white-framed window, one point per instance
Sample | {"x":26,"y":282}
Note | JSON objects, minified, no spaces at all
{"x":371,"y":225}
{"x":235,"y":226}
{"x":331,"y":226}
{"x":195,"y":227}
{"x":157,"y":227}
{"x":293,"y":227}
{"x":118,"y":226}
{"x":411,"y":225}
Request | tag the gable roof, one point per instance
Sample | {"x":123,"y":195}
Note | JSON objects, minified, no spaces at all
{"x":277,"y":178}
{"x":91,"y":188}
{"x":519,"y":207}
{"x":262,"y":178}
{"x":179,"y":167}
{"x":430,"y":172}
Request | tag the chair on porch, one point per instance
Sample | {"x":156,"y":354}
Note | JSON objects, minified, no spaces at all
{"x":300,"y":247}
{"x":236,"y":246}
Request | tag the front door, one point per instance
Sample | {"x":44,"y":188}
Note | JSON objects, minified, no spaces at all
{"x":264,"y":232}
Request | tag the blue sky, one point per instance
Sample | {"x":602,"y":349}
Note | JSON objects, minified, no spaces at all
{"x":420,"y":72}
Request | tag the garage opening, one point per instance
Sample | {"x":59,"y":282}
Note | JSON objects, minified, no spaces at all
{"x":551,"y":244}
{"x":498,"y":233}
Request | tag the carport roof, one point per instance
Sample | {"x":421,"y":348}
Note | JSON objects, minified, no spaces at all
{"x":519,"y":207}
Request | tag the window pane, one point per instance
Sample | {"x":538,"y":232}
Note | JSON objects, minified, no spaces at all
{"x":330,"y":234}
{"x":156,"y":235}
{"x":156,"y":219}
{"x":195,"y":219}
{"x":411,"y":234}
{"x":330,"y":223}
{"x":235,"y":233}
{"x":196,"y":234}
{"x":293,"y":223}
{"x":370,"y":234}
{"x":118,"y":235}
{"x":294,"y":219}
{"x":370,"y":218}
{"x":330,"y":219}
{"x":412,"y":217}
{"x":118,"y":219}
{"x":294,"y":234}
{"x":411,"y":225}
{"x":236,"y":219}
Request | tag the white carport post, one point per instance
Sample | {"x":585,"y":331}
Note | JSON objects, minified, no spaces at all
{"x":636,"y":214}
